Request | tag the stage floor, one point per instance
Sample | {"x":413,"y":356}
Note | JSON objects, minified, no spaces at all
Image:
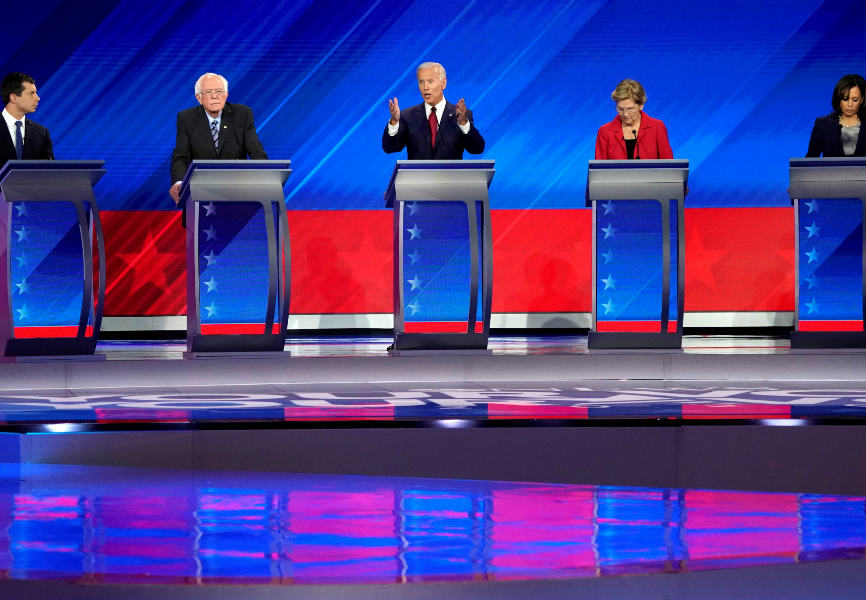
{"x":351,"y":379}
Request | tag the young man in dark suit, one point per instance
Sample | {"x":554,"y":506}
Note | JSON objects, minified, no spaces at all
{"x":215,"y":129}
{"x":21,"y":138}
{"x":434,"y":129}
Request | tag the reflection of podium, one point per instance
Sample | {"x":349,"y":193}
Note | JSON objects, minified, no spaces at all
{"x":638,"y":256}
{"x":442,"y":254}
{"x":49,"y":226}
{"x":829,"y":196}
{"x":237,"y":255}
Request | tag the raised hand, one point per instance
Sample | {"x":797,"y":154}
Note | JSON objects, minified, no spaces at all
{"x":394,"y":107}
{"x":461,"y":112}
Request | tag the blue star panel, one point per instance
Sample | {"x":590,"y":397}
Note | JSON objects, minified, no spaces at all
{"x":437,"y":263}
{"x":830,"y":264}
{"x":46,"y":265}
{"x":233,"y":263}
{"x":629,"y":263}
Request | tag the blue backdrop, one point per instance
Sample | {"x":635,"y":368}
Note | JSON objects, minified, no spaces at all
{"x":738,"y":84}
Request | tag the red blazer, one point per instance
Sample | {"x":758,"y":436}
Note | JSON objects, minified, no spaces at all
{"x":652,"y":140}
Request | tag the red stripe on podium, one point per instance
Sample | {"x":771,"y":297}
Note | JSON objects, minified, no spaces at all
{"x":59,"y":331}
{"x":440,"y":327}
{"x":736,"y":411}
{"x":237,"y":328}
{"x":634,"y":326}
{"x":830,"y":325}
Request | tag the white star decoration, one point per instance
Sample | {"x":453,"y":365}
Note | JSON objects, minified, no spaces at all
{"x":22,"y":312}
{"x":210,"y":232}
{"x":22,"y":234}
{"x":608,"y":256}
{"x":609,"y":282}
{"x":813,"y":230}
{"x":211,"y":285}
{"x":813,"y":206}
{"x":415,"y":283}
{"x":23,"y":287}
{"x":211,"y":309}
{"x":414,"y":257}
{"x":608,"y":307}
{"x":813,"y":255}
{"x":414,"y":307}
{"x":209,"y":209}
{"x":22,"y":209}
{"x":608,"y":207}
{"x":812,"y":282}
{"x":413,"y":208}
{"x":415,"y":232}
{"x":210,"y":258}
{"x":608,"y":231}
{"x":812,"y":306}
{"x":22,"y":260}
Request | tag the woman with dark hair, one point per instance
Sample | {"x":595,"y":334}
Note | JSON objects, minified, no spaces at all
{"x":840,"y":133}
{"x":632,"y":134}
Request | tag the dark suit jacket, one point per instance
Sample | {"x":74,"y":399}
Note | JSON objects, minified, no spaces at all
{"x":652,"y":140}
{"x":414,"y":135}
{"x":37,"y":143}
{"x":827,"y":138}
{"x":237,"y":138}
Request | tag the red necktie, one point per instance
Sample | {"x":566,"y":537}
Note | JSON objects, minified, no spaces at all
{"x":434,"y":126}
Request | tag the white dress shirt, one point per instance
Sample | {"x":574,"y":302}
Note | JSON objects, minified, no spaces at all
{"x":440,"y":108}
{"x":10,"y":124}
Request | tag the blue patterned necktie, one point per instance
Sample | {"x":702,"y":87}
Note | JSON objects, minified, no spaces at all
{"x":215,"y":133}
{"x":19,"y":140}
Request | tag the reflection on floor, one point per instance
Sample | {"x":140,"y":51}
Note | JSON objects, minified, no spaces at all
{"x":171,"y":526}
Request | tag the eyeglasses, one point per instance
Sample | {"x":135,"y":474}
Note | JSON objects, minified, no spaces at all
{"x":212,"y":92}
{"x":626,"y":110}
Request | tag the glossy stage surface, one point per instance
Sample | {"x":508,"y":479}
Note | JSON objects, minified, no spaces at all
{"x":110,"y":525}
{"x":351,"y":379}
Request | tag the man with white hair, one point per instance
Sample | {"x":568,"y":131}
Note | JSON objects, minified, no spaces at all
{"x":215,"y":129}
{"x":434,"y":129}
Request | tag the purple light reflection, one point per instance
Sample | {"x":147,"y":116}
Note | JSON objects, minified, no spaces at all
{"x":158,"y":526}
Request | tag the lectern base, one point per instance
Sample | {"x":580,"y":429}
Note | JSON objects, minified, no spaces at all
{"x":610,"y":340}
{"x":440,"y":341}
{"x":828,"y":339}
{"x":236,"y":343}
{"x":50,"y":346}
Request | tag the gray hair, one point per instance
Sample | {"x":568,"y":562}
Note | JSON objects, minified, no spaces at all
{"x":200,"y":79}
{"x":432,"y":65}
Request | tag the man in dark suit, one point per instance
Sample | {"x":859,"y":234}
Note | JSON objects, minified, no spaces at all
{"x":22,"y":139}
{"x":434,"y":129}
{"x":215,"y":130}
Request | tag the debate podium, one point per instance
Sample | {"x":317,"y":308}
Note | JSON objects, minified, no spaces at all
{"x":638,"y":252}
{"x":829,"y":197}
{"x":443,"y":260}
{"x":237,"y":255}
{"x":50,"y":302}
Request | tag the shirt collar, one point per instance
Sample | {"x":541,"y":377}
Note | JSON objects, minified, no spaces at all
{"x":10,"y":120}
{"x":440,"y":109}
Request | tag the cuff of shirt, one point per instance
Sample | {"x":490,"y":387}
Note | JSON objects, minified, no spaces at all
{"x":464,"y":128}
{"x":392,"y":129}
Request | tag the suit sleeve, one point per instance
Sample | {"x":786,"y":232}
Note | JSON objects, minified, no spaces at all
{"x":664,"y":146}
{"x":601,"y":152}
{"x":252,"y":145}
{"x":395,"y":143}
{"x":180,"y":157}
{"x":472,"y":141}
{"x":816,"y":144}
{"x":49,"y":146}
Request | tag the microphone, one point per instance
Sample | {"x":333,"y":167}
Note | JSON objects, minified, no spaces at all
{"x":636,"y":150}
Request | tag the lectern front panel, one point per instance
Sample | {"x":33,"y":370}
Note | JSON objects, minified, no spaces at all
{"x":46,"y":268}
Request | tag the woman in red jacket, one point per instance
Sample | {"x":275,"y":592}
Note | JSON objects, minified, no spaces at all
{"x":632,"y":134}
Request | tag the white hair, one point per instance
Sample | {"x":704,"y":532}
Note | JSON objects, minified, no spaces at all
{"x":432,"y":65}
{"x":200,"y":79}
